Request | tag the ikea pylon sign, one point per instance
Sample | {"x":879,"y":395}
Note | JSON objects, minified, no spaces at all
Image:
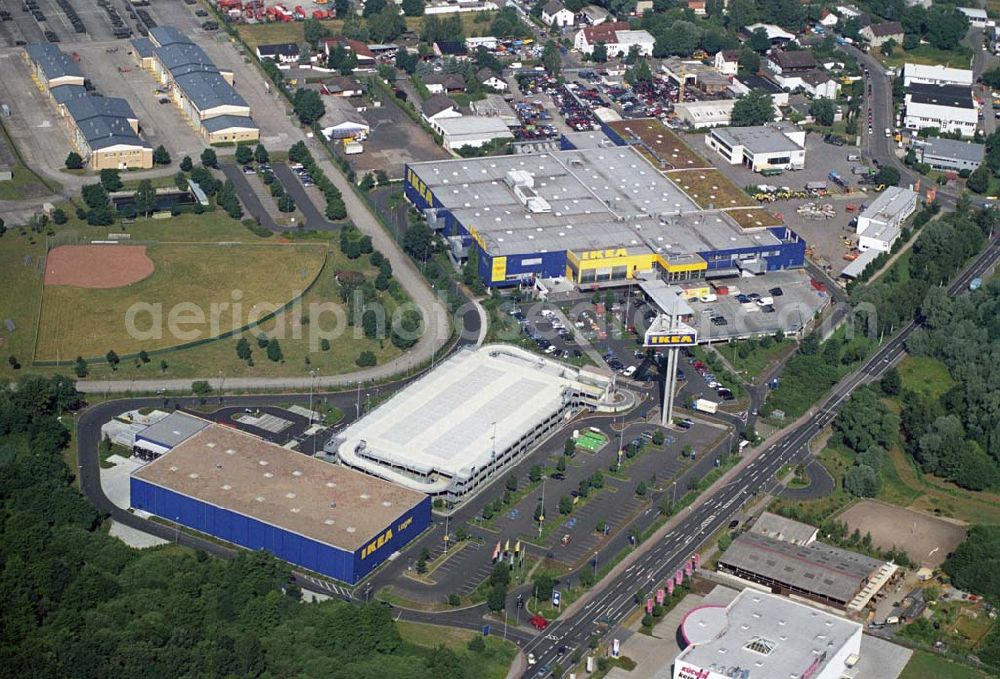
{"x":672,"y":338}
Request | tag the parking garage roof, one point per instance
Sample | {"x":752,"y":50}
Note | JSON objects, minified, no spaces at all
{"x":331,"y":504}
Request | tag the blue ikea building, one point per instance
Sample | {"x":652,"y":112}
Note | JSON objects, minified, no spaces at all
{"x":596,"y":212}
{"x":314,"y":514}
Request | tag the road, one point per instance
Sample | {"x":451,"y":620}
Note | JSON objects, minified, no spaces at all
{"x":612,"y":599}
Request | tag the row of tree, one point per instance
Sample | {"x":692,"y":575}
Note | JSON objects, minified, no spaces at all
{"x":868,"y":429}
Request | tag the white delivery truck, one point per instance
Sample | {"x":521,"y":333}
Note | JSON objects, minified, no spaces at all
{"x":706,"y":406}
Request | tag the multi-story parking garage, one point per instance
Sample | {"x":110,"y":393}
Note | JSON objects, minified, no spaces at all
{"x":449,"y":433}
{"x":600,"y":214}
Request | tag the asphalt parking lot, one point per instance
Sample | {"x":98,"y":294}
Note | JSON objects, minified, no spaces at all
{"x":394,"y":141}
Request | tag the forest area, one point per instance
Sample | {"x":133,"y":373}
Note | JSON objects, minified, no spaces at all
{"x":76,"y":602}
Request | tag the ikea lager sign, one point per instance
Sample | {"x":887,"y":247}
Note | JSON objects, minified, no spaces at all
{"x":384,"y":538}
{"x":675,"y":338}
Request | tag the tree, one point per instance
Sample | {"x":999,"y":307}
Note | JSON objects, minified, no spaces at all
{"x":202,"y":389}
{"x":552,"y":59}
{"x":823,"y":110}
{"x":506,"y":24}
{"x":753,"y":109}
{"x":543,"y":583}
{"x":373,"y":7}
{"x":535,"y":473}
{"x":979,"y":180}
{"x":861,"y":480}
{"x":58,"y":216}
{"x":111,"y":180}
{"x":887,"y":47}
{"x":260,"y":154}
{"x":308,"y":106}
{"x":565,"y":504}
{"x":181,"y":181}
{"x":891,"y":382}
{"x":407,"y":61}
{"x":74,"y":161}
{"x":749,"y":61}
{"x":366,"y":359}
{"x":244,"y":154}
{"x":285,"y":203}
{"x":946,"y":27}
{"x":367,"y":182}
{"x":145,"y":197}
{"x":243,"y":349}
{"x":639,"y":72}
{"x":80,"y":367}
{"x":641,"y":489}
{"x":418,"y":241}
{"x":387,"y":25}
{"x":569,"y":448}
{"x":209,"y":158}
{"x":186,"y":164}
{"x":161,"y":156}
{"x":476,"y":643}
{"x":887,"y":175}
{"x":600,"y":53}
{"x":313,"y":32}
{"x":274,"y":351}
{"x":413,"y":8}
{"x":112,"y":358}
{"x":759,"y":42}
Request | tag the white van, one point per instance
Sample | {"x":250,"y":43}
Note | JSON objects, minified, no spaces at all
{"x":765,"y":301}
{"x":629,"y":371}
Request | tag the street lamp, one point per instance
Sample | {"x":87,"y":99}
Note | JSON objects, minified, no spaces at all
{"x":312,"y":383}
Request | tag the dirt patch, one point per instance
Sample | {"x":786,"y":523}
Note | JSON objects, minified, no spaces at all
{"x":97,"y":266}
{"x":927,"y":539}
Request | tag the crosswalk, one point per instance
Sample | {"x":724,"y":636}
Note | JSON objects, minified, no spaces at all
{"x":329,"y":587}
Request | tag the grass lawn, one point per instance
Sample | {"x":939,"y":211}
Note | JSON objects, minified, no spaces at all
{"x":925,"y":665}
{"x":493,"y":663}
{"x":79,"y":321}
{"x":837,"y":461}
{"x":710,"y":187}
{"x":925,"y":54}
{"x":266,"y":34}
{"x":25,"y":183}
{"x":758,"y":358}
{"x":927,"y":376}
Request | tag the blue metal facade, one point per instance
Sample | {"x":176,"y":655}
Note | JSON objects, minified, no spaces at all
{"x":254,"y":534}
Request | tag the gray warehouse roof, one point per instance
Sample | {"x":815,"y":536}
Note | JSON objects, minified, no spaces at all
{"x":780,"y":528}
{"x":893,"y":200}
{"x":757,"y":139}
{"x":167,"y":35}
{"x":817,"y":568}
{"x":955,"y":149}
{"x":63,"y":93}
{"x":173,"y":429}
{"x":143,"y":47}
{"x":193,"y":70}
{"x":53,"y":61}
{"x":209,"y":90}
{"x":225,"y":122}
{"x":770,"y":636}
{"x":104,"y":121}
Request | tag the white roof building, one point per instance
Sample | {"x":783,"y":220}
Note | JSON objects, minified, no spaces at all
{"x":767,"y":636}
{"x":935,"y":75}
{"x":950,"y":108}
{"x":776,"y":146}
{"x":977,"y":16}
{"x":774,"y":33}
{"x":702,"y":114}
{"x":617,"y":37}
{"x":450,"y":432}
{"x":471,"y":131}
{"x":554,"y":13}
{"x":879,"y":225}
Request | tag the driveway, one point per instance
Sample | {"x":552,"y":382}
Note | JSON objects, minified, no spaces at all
{"x":315,"y":218}
{"x":248,"y":197}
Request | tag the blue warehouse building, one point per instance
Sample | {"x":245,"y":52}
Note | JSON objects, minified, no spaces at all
{"x":597,"y":213}
{"x":244,"y":490}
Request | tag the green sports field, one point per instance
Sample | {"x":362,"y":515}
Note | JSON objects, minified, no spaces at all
{"x":591,"y":441}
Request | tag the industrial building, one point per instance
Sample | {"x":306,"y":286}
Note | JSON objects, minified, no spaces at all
{"x":816,"y":571}
{"x":160,"y":437}
{"x":471,"y":131}
{"x":949,"y":108}
{"x":104,"y":130}
{"x":597,"y":216}
{"x":244,"y":490}
{"x":763,"y":636}
{"x":951,"y":154}
{"x":787,"y":530}
{"x":880,"y":223}
{"x":778,"y":146}
{"x":203,"y":91}
{"x":702,"y":114}
{"x":451,"y":432}
{"x":938,"y":74}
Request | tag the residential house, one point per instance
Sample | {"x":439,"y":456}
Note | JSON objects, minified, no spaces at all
{"x":752,"y":81}
{"x":594,"y":15}
{"x":341,"y":86}
{"x":697,"y":6}
{"x":727,"y":62}
{"x":366,"y":58}
{"x":554,"y":13}
{"x":828,"y":19}
{"x":440,"y":83}
{"x":451,"y":48}
{"x":439,"y":107}
{"x":785,"y":62}
{"x":282,"y":53}
{"x":618,"y":37}
{"x":877,"y":35}
{"x":342,"y":120}
{"x":977,"y":17}
{"x":491,"y":80}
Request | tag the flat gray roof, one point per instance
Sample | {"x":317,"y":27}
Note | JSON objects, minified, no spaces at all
{"x":103,"y":121}
{"x":325,"y":502}
{"x":599,"y":197}
{"x":63,"y":93}
{"x":955,"y":149}
{"x":780,"y":528}
{"x":892,"y":201}
{"x":193,"y":70}
{"x":173,"y":429}
{"x":818,"y":568}
{"x":768,"y":635}
{"x":53,"y":61}
{"x":167,"y":35}
{"x":143,"y":46}
{"x":762,"y":139}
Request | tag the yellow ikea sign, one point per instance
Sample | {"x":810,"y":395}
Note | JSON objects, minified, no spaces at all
{"x":499,"y":272}
{"x":685,"y":339}
{"x":384,"y":538}
{"x":604,"y":254}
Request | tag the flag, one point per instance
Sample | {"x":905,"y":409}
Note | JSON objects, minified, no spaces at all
{"x":506,"y":547}
{"x":517,"y":547}
{"x":687,"y":568}
{"x":696,"y":558}
{"x":679,"y":577}
{"x":496,"y":551}
{"x":660,"y":596}
{"x":649,"y":605}
{"x":670,"y":587}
